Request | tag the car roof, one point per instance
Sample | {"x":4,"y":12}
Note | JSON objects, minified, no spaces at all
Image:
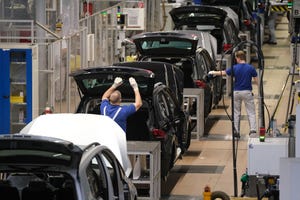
{"x":82,"y":130}
{"x":94,"y":81}
{"x":198,"y":14}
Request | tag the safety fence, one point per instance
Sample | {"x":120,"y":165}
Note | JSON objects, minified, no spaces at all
{"x":97,"y":42}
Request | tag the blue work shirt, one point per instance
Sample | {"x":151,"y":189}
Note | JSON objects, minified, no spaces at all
{"x":243,"y":74}
{"x":118,"y":113}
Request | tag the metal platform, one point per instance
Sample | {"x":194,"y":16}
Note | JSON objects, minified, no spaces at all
{"x":148,"y":154}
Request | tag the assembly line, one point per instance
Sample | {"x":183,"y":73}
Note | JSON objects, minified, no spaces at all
{"x":149,"y":99}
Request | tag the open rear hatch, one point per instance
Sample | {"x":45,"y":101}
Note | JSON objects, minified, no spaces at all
{"x":165,"y":44}
{"x":93,"y":82}
{"x":36,"y":151}
{"x":198,"y":15}
{"x":164,"y":72}
{"x":234,"y":4}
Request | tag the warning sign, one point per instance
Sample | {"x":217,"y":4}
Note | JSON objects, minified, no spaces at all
{"x":279,"y":8}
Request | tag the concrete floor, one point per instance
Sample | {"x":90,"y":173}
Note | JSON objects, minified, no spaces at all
{"x":209,"y":160}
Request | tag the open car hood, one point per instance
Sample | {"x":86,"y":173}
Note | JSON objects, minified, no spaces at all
{"x":165,"y":44}
{"x":93,"y":82}
{"x":198,"y":15}
{"x":37,"y":151}
{"x":82,"y":130}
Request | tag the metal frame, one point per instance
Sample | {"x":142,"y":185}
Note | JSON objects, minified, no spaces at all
{"x":198,"y":94}
{"x":151,"y":149}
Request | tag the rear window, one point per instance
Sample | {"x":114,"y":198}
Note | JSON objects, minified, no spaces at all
{"x":199,"y":15}
{"x":103,"y":82}
{"x":165,"y":43}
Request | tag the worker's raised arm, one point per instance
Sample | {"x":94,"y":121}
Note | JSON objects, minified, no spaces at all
{"x":117,"y":82}
{"x":138,"y":99}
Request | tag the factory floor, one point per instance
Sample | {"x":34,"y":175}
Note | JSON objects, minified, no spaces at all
{"x":209,"y":161}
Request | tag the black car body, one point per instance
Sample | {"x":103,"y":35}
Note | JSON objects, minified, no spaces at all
{"x":172,"y":77}
{"x":159,"y":119}
{"x":39,"y":167}
{"x":182,"y":50}
{"x":207,"y":18}
{"x":166,"y":73}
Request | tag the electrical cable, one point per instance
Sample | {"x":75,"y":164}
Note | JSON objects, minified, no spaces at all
{"x":269,"y":119}
{"x":278,"y":102}
{"x":292,"y":82}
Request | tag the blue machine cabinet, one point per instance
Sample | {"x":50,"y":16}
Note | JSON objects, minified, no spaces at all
{"x":16,"y":90}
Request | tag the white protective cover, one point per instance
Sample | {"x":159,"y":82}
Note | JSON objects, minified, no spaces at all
{"x":83,"y":129}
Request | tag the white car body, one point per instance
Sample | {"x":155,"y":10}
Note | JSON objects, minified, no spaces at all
{"x":82,"y":130}
{"x":231,"y":14}
{"x":206,"y":41}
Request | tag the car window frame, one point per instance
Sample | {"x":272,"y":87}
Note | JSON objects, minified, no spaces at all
{"x":162,"y":118}
{"x":172,"y":103}
{"x":201,"y":65}
{"x":87,"y":158}
{"x":118,"y":192}
{"x":92,"y":167}
{"x":231,"y":31}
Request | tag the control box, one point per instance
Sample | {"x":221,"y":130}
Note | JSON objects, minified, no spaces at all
{"x":264,"y":157}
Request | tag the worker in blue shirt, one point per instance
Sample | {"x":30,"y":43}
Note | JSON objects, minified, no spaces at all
{"x":243,"y":74}
{"x":111,"y":102}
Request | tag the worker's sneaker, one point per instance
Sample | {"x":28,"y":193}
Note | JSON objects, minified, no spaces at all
{"x":252,"y":134}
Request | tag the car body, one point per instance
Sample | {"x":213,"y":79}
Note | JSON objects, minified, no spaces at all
{"x":172,"y":77}
{"x":231,"y":14}
{"x":205,"y":40}
{"x":166,"y":73}
{"x":244,"y":10}
{"x":183,"y":50}
{"x":210,"y":19}
{"x":39,"y":163}
{"x":159,"y":119}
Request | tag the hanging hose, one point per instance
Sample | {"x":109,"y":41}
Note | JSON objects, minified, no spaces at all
{"x":292,"y":82}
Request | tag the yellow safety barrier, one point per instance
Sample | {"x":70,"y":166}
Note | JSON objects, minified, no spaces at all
{"x":280,"y":8}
